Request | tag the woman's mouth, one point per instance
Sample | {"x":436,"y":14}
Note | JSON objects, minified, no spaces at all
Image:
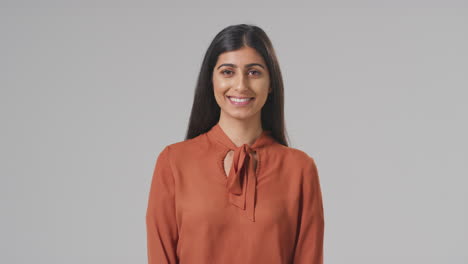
{"x":240,"y":101}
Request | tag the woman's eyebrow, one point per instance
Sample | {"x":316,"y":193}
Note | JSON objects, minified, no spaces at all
{"x":235,"y":66}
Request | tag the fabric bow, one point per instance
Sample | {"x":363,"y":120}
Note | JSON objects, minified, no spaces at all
{"x":242,"y":180}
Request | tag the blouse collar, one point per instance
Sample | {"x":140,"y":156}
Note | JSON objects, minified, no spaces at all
{"x":241,"y":182}
{"x":218,"y":134}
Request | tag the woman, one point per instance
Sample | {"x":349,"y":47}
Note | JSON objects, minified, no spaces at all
{"x":233,"y":191}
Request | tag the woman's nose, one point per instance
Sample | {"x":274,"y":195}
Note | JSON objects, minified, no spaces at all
{"x":242,"y":82}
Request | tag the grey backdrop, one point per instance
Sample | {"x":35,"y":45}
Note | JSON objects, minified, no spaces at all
{"x":92,"y":91}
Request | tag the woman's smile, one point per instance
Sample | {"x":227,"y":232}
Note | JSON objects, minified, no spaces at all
{"x":240,"y":101}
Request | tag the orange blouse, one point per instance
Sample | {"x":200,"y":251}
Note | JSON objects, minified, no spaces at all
{"x":272,"y":214}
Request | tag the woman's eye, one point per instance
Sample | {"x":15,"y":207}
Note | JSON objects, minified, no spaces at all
{"x":226,"y":71}
{"x":256,"y":72}
{"x":229,"y":72}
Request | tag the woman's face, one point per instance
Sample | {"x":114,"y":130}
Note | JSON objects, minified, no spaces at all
{"x":240,"y":74}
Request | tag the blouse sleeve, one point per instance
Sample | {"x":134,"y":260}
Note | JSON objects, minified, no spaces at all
{"x":309,"y":241}
{"x":161,"y":225}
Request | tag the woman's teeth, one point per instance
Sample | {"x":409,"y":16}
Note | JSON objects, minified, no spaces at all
{"x":239,"y":100}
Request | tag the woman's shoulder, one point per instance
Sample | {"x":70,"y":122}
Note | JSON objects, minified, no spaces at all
{"x":188,"y":146}
{"x":295,"y":155}
{"x":302,"y":162}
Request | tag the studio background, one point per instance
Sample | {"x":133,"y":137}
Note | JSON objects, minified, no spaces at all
{"x":92,"y":91}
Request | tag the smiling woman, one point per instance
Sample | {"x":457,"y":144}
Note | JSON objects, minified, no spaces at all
{"x":233,"y":191}
{"x":241,"y":84}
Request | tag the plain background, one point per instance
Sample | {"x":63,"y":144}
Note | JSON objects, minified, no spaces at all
{"x":92,"y":91}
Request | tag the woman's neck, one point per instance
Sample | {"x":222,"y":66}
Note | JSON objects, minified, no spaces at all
{"x":241,"y":132}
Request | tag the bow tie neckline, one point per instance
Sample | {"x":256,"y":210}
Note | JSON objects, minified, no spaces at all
{"x":241,"y":182}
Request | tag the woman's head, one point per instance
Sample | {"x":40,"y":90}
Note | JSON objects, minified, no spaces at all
{"x":240,"y":75}
{"x":224,"y":73}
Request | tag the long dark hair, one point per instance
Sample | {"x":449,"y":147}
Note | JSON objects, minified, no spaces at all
{"x":205,"y":110}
